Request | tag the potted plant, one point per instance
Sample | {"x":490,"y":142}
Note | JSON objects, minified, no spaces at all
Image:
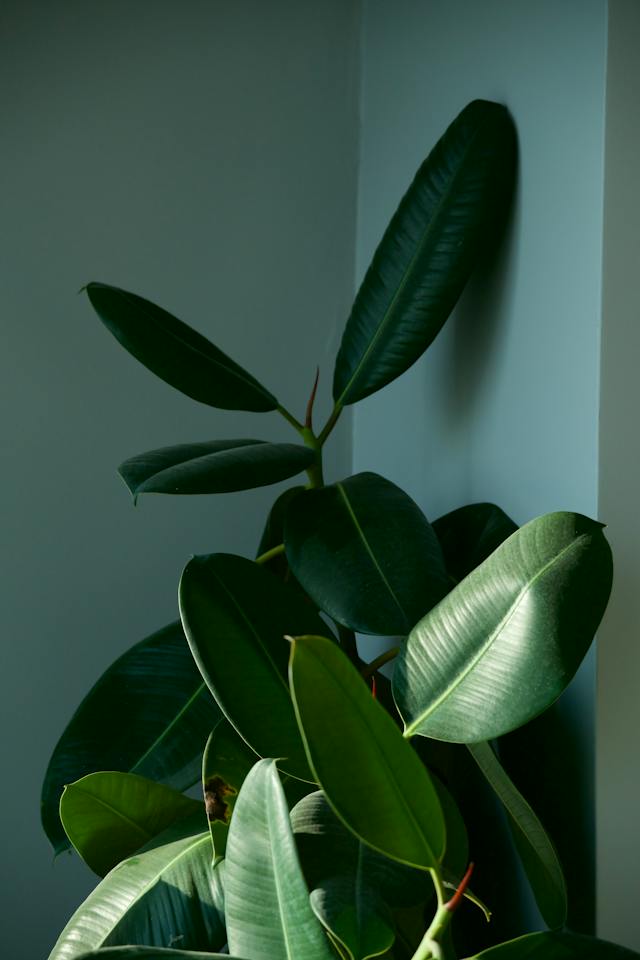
{"x":331,"y":825}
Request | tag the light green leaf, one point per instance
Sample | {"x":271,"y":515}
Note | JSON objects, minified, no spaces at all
{"x":443,"y":225}
{"x":556,"y":945}
{"x":340,"y":549}
{"x":176,"y":353}
{"x":160,"y":714}
{"x":108,"y":816}
{"x":266,"y":899}
{"x":504,"y":644}
{"x":372,"y":778}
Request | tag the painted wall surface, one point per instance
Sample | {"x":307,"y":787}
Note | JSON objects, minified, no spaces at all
{"x":618,"y":767}
{"x":203,"y":154}
{"x":504,"y":406}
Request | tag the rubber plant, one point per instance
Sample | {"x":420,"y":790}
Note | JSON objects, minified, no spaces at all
{"x":331,"y":825}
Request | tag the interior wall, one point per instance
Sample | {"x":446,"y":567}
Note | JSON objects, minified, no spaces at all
{"x":188,"y":152}
{"x":504,"y":406}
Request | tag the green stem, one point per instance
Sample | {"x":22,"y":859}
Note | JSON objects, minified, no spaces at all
{"x":289,"y":417}
{"x":370,"y":668}
{"x":329,"y":425}
{"x":314,"y":472}
{"x":270,"y":554}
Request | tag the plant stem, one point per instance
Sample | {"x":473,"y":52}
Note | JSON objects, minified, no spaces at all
{"x":329,"y":425}
{"x":314,"y":472}
{"x":289,"y":417}
{"x":270,"y":554}
{"x":370,"y":668}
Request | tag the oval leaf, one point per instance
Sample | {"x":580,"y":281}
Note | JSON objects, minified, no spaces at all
{"x":538,"y":855}
{"x":442,"y":226}
{"x":108,"y":816}
{"x":365,"y":552}
{"x":160,"y":714}
{"x":237,"y":613}
{"x":220,"y":466}
{"x":168,"y":894}
{"x":355,"y":915}
{"x":266,"y":899}
{"x":377,"y":786}
{"x":556,"y":946}
{"x":504,"y":644}
{"x":470,"y":534}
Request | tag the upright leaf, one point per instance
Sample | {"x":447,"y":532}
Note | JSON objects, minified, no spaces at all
{"x":470,"y":534}
{"x":236,"y":615}
{"x":441,"y":228}
{"x":266,"y":899}
{"x":168,"y":895}
{"x":176,"y":353}
{"x":372,"y":778}
{"x":536,"y":850}
{"x":365,"y":552}
{"x":556,"y":945}
{"x":160,"y":714}
{"x":504,"y":644}
{"x":108,"y":816}
{"x":219,"y":466}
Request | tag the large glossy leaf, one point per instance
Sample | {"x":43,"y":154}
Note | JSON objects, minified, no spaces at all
{"x":266,"y":899}
{"x":236,"y":615}
{"x":108,"y":816}
{"x":273,"y":533}
{"x":371,"y":776}
{"x":355,"y":915}
{"x":536,"y":850}
{"x":470,"y":534}
{"x":442,"y":226}
{"x":216,"y":467}
{"x":150,"y":713}
{"x":504,"y":644}
{"x":168,"y":895}
{"x":365,"y":552}
{"x":150,"y":953}
{"x":556,"y":946}
{"x":176,"y":353}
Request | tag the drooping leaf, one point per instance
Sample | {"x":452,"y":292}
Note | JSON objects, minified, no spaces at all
{"x":377,"y":786}
{"x":266,"y":899}
{"x":220,"y":466}
{"x":176,"y":353}
{"x":355,"y":914}
{"x":470,"y":534}
{"x":236,"y":613}
{"x":108,"y":816}
{"x":160,"y":714}
{"x":442,"y":226}
{"x":167,"y":895}
{"x":556,"y":945}
{"x":365,"y":552}
{"x":504,"y":644}
{"x":226,"y":762}
{"x":536,"y":850}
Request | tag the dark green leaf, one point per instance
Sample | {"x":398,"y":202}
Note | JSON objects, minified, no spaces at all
{"x":236,"y":615}
{"x":371,"y":776}
{"x":266,"y":899}
{"x":273,"y":533}
{"x":366,"y":554}
{"x":149,"y":953}
{"x":108,"y":816}
{"x":160,"y":713}
{"x":470,"y":534}
{"x":176,"y":353}
{"x":217,"y":467}
{"x":444,"y":223}
{"x":167,"y":895}
{"x":226,"y":762}
{"x":355,"y":914}
{"x":504,"y":644}
{"x":556,"y":946}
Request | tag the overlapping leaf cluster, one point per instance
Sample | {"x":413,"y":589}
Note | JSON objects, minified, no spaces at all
{"x":326,"y":832}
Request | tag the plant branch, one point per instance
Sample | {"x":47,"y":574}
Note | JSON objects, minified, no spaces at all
{"x":270,"y":554}
{"x":370,"y":668}
{"x":289,"y":417}
{"x":329,"y":425}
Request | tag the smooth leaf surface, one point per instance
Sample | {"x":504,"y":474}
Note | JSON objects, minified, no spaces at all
{"x":166,"y":895}
{"x":226,"y":762}
{"x":273,"y":533}
{"x":444,"y":223}
{"x":107,"y":816}
{"x":556,"y":945}
{"x":219,"y":466}
{"x":237,"y":613}
{"x":366,"y":554}
{"x":504,"y":644}
{"x":536,"y":850}
{"x":160,"y":714}
{"x":355,"y":915}
{"x":176,"y":353}
{"x":470,"y":534}
{"x":266,"y":899}
{"x":150,"y":953}
{"x":371,"y":776}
